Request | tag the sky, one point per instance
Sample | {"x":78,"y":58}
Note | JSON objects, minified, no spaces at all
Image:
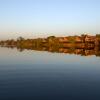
{"x":40,"y":18}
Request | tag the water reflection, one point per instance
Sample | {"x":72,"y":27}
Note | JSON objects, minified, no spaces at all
{"x":34,"y":75}
{"x":67,"y":50}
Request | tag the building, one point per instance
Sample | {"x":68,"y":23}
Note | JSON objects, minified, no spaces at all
{"x":63,"y":39}
{"x":78,"y":39}
{"x":90,"y":39}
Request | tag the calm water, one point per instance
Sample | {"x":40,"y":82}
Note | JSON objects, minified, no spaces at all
{"x":35,"y":75}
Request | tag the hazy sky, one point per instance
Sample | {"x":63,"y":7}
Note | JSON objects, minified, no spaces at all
{"x":29,"y":18}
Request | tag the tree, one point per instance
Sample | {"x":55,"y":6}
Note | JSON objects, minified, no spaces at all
{"x":51,"y":37}
{"x":20,"y":39}
{"x":83,"y":37}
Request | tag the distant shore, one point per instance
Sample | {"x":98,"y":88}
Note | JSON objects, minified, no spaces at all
{"x":52,"y":40}
{"x":81,"y":45}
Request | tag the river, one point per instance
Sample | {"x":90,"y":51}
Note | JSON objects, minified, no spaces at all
{"x":43,"y":75}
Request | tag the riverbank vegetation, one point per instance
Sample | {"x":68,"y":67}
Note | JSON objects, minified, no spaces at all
{"x":84,"y":44}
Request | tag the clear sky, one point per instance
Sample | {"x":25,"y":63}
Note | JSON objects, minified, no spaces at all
{"x":36,"y":18}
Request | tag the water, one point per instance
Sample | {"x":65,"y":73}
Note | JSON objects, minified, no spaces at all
{"x":41,"y":75}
